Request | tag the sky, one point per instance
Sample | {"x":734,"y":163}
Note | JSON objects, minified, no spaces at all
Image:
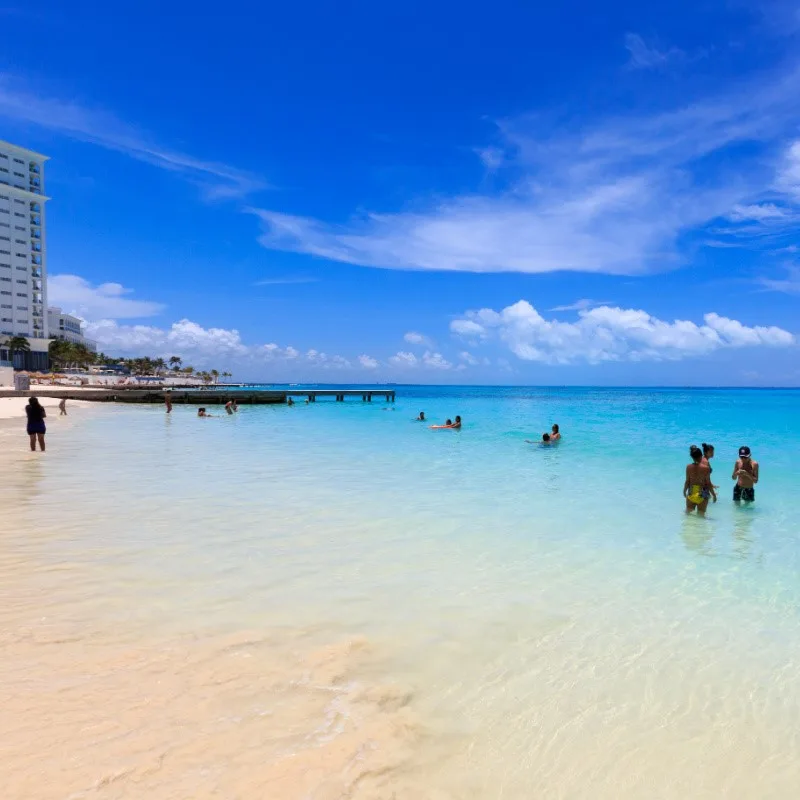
{"x":505,"y":193}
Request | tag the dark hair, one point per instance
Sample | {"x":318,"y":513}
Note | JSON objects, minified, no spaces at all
{"x":545,"y":437}
{"x":555,"y":428}
{"x":707,"y":448}
{"x":34,"y":401}
{"x":458,"y":419}
{"x":200,"y":409}
{"x":449,"y":422}
{"x":695,"y":452}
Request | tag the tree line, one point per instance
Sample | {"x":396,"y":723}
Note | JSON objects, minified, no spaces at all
{"x":70,"y":355}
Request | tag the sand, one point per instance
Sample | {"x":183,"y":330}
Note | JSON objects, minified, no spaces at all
{"x":14,"y":407}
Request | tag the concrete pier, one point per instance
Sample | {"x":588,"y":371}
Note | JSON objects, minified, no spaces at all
{"x":207,"y":397}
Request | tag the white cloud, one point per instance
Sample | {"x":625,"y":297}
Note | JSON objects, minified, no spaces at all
{"x":368,"y":362}
{"x":285,"y":281}
{"x":581,"y":305}
{"x":22,"y":104}
{"x":758,"y":212}
{"x":468,"y":358}
{"x":788,"y":179}
{"x":413,"y":337}
{"x":403,"y":359}
{"x":615,"y":334}
{"x":467,"y":328}
{"x":435,"y":361}
{"x":790,"y":284}
{"x":75,"y":295}
{"x":644,"y":56}
{"x":614,"y":196}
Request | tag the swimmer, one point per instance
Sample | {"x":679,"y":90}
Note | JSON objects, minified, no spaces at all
{"x":201,"y":412}
{"x":708,"y":454}
{"x":457,"y":424}
{"x":229,"y":407}
{"x":421,"y":417}
{"x":555,"y":435}
{"x":697,"y":487}
{"x":546,"y":438}
{"x":234,"y":406}
{"x":745,"y":473}
{"x":289,"y":401}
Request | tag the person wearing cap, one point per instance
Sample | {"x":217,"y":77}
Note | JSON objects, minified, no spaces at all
{"x":745,"y":473}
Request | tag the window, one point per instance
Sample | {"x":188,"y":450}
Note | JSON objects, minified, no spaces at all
{"x":18,"y":175}
{"x":16,"y":241}
{"x":3,"y":169}
{"x":20,"y":202}
{"x":6,"y":293}
{"x":18,"y":161}
{"x":19,"y":228}
{"x":22,"y":294}
{"x":17,"y":214}
{"x":23,"y":322}
{"x":24,"y":283}
{"x":5,"y":238}
{"x":5,"y":252}
{"x":5,"y":280}
{"x":4,"y":211}
{"x":5,"y":305}
{"x":20,"y":255}
{"x":3,"y":155}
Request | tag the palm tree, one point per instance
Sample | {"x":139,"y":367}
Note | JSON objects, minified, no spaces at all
{"x":215,"y":375}
{"x":16,"y":344}
{"x":227,"y":375}
{"x":159,"y":365}
{"x":175,"y":363}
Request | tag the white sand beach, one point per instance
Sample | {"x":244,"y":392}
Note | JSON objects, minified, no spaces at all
{"x":14,"y":407}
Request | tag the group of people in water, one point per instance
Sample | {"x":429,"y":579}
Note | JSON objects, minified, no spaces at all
{"x":698,"y":488}
{"x":231,"y":408}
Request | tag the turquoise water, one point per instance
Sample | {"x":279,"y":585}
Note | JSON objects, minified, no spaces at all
{"x":563,"y":627}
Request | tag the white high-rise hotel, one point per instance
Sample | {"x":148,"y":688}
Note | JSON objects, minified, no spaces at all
{"x":23,"y":256}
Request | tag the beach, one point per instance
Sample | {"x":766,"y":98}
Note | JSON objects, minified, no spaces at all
{"x":333,"y":601}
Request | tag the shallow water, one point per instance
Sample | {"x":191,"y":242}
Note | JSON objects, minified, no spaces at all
{"x":333,"y":601}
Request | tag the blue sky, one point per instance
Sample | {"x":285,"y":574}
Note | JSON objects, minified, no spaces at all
{"x":438,"y":193}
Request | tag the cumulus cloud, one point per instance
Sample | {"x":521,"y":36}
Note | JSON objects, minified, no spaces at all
{"x":368,"y":362}
{"x":208,"y":346}
{"x":789,"y":284}
{"x":413,"y":337}
{"x":435,"y":360}
{"x":614,"y":334}
{"x":468,"y":358}
{"x":581,"y":305}
{"x":75,"y":295}
{"x":403,"y":359}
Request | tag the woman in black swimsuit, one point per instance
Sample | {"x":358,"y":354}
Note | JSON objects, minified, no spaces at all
{"x":36,"y":427}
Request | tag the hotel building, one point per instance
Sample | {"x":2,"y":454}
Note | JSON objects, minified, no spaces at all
{"x":23,"y":253}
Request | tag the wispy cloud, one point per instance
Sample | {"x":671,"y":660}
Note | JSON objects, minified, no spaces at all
{"x":612,"y":334}
{"x":649,"y":56}
{"x":22,"y":104}
{"x":285,"y":281}
{"x":581,"y":305}
{"x":614,"y":196}
{"x":789,"y":284}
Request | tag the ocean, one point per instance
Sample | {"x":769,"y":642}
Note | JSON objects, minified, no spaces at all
{"x":334,"y":601}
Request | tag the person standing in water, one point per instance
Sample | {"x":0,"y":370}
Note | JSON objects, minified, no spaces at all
{"x":62,"y":407}
{"x":555,"y":435}
{"x":697,"y":487}
{"x":36,"y":427}
{"x":168,"y":402}
{"x":745,"y":473}
{"x":421,"y":417}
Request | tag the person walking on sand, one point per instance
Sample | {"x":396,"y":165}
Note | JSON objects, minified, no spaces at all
{"x":745,"y":473}
{"x":36,"y":427}
{"x":697,"y":488}
{"x":62,"y":406}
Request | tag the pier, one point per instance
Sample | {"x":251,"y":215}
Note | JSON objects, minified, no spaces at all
{"x":202,"y":397}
